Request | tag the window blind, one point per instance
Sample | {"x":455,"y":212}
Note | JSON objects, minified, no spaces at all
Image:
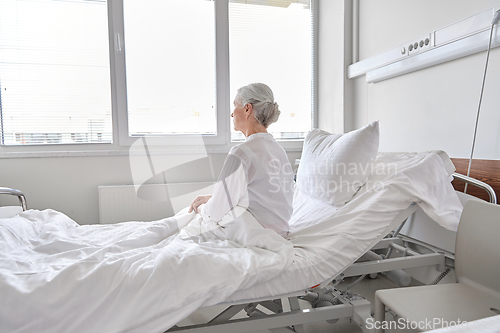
{"x":54,"y":72}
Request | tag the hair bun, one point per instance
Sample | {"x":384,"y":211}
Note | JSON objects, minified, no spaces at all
{"x":276,"y":107}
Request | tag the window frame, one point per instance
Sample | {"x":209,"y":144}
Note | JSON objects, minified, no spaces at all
{"x":177,"y":144}
{"x":223,"y":100}
{"x":52,"y":52}
{"x":118,"y":54}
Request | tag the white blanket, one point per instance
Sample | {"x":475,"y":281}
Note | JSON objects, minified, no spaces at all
{"x":57,"y":276}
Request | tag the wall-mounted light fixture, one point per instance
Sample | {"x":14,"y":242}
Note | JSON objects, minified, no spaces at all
{"x":458,"y":40}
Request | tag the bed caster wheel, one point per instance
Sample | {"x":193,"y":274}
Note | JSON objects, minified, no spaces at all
{"x":372,"y":276}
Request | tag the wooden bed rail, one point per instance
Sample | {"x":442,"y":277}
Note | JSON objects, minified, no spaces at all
{"x":487,"y":171}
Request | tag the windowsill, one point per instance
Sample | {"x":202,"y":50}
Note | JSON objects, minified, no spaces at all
{"x":107,"y":150}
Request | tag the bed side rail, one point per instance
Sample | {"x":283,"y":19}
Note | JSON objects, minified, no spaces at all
{"x":477,"y":183}
{"x":17,"y":193}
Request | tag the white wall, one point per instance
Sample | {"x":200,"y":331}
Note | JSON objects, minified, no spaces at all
{"x":69,"y":184}
{"x":334,"y":54}
{"x":434,"y":108}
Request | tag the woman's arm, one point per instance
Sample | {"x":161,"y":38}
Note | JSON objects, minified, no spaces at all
{"x":198,"y":201}
{"x":229,"y":191}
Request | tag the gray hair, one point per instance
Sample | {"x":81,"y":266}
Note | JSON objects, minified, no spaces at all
{"x":266,"y":110}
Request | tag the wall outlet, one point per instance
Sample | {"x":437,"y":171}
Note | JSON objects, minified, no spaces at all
{"x":419,"y":45}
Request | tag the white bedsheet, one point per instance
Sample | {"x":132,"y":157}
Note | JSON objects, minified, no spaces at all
{"x":57,"y":276}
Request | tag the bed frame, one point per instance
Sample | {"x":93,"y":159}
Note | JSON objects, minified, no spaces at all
{"x":397,"y":252}
{"x":286,"y":314}
{"x":17,"y":193}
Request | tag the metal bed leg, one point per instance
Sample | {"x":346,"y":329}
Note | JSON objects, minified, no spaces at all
{"x":379,"y":315}
{"x":295,"y":305}
{"x":361,"y":313}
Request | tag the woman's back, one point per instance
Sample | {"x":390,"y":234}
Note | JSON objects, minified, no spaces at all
{"x":256,"y":175}
{"x":270,"y":181}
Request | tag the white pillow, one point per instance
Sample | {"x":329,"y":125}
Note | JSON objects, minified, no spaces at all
{"x":334,"y":166}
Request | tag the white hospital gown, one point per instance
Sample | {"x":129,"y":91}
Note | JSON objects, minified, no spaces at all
{"x":257,"y":176}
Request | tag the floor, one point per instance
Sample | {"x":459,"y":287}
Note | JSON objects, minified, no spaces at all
{"x":366,"y":288}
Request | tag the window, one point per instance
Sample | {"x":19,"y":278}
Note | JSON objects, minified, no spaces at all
{"x":166,"y":69}
{"x":170,"y":67}
{"x":54,"y":72}
{"x":271,"y":42}
{"x":179,"y":56}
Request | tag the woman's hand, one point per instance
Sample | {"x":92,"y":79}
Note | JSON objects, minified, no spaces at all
{"x":200,"y":200}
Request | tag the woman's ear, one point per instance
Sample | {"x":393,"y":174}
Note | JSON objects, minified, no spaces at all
{"x":248,"y":109}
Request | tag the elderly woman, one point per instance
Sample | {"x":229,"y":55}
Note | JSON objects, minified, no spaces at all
{"x":256,"y":174}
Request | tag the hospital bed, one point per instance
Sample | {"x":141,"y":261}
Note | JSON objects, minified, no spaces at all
{"x":281,"y":304}
{"x":147,"y":277}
